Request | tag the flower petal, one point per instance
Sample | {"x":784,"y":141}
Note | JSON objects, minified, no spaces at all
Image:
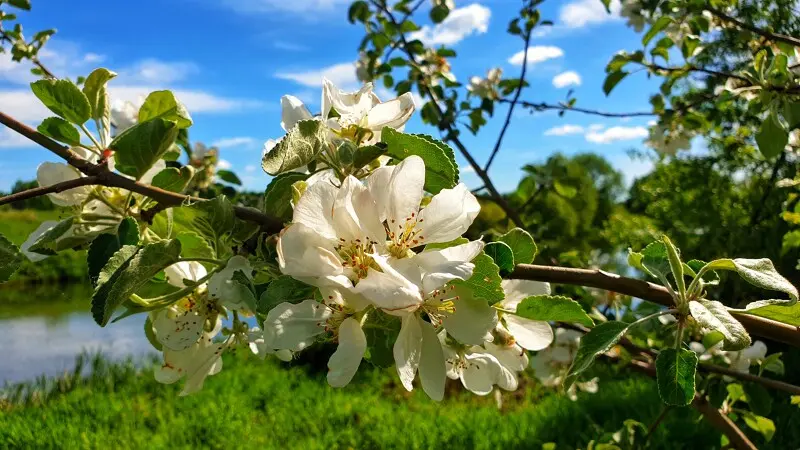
{"x":407,"y":350}
{"x":48,"y":174}
{"x":309,"y":257}
{"x":530,"y":334}
{"x":393,"y":114}
{"x":295,"y":327}
{"x":184,"y":270}
{"x":351,"y":106}
{"x":377,"y":184}
{"x":33,"y":237}
{"x":479,"y":374}
{"x":518,"y":290}
{"x":432,"y":371}
{"x":389,"y":290}
{"x":404,"y":192}
{"x":344,"y":362}
{"x":222,"y":287}
{"x":448,"y":215}
{"x":315,"y":208}
{"x":472,"y":319}
{"x":178,"y":331}
{"x":355,"y":214}
{"x":292,"y":111}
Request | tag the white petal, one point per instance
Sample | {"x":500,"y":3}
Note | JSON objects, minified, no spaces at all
{"x":33,"y":237}
{"x":49,"y":174}
{"x":309,"y":257}
{"x":393,"y":114}
{"x":472,"y":319}
{"x":757,"y":351}
{"x":389,"y":290}
{"x":351,"y":106}
{"x":442,"y":266}
{"x":178,"y":331}
{"x":479,"y":374}
{"x":315,"y":208}
{"x":355,"y":214}
{"x":377,"y":183}
{"x":405,"y":191}
{"x":407,"y":350}
{"x":295,"y":327}
{"x":184,"y":270}
{"x":518,"y":290}
{"x":292,"y":111}
{"x":530,"y":334}
{"x":222,"y":287}
{"x":344,"y":362}
{"x":431,"y":365}
{"x":512,"y":357}
{"x":448,"y":215}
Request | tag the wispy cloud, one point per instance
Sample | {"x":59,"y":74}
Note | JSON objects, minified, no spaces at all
{"x":241,"y":141}
{"x":618,"y":133}
{"x":536,"y":54}
{"x":156,"y":71}
{"x":459,"y":24}
{"x":564,"y":130}
{"x":342,"y":75}
{"x":299,"y":7}
{"x":581,"y":13}
{"x":11,"y":139}
{"x":570,"y":78}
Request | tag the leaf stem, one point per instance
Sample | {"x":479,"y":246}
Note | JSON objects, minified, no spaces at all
{"x":93,"y":139}
{"x":207,"y":260}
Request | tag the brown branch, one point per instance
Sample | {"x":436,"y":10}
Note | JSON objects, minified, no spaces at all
{"x":105,"y":177}
{"x":513,"y":102}
{"x":763,"y":33}
{"x":52,"y":189}
{"x":34,"y":59}
{"x":759,"y":326}
{"x":735,"y":435}
{"x":452,"y":135}
{"x":560,"y":107}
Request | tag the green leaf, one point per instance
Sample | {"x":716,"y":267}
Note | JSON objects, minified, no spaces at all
{"x":106,"y":245}
{"x":229,"y":177}
{"x":565,"y":190}
{"x":760,"y":424}
{"x":213,"y":219}
{"x":60,"y":130}
{"x":10,"y":259}
{"x":612,"y":79}
{"x":772,"y":137}
{"x":47,"y":244}
{"x":128,"y":270}
{"x":690,"y":46}
{"x":693,"y":267}
{"x":553,"y":308}
{"x":522,"y":245}
{"x":501,"y":254}
{"x":150,"y":334}
{"x":439,"y":13}
{"x":657,"y":27}
{"x":64,"y":99}
{"x":164,"y":105}
{"x":283,"y":289}
{"x":366,"y":154}
{"x":760,"y":273}
{"x":759,"y":398}
{"x":172,"y":179}
{"x":485,"y":282}
{"x":194,"y":246}
{"x":298,"y":148}
{"x":441,"y":170}
{"x":95,"y":90}
{"x":675,"y":371}
{"x":791,"y":112}
{"x":21,"y":4}
{"x":599,"y":340}
{"x":675,"y":265}
{"x":139,"y":147}
{"x":713,"y":315}
{"x":653,"y":260}
{"x":359,"y":11}
{"x":779,"y":313}
{"x":278,"y":196}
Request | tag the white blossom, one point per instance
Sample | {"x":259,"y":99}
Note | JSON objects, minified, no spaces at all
{"x":124,"y":115}
{"x":529,"y":334}
{"x":224,"y":288}
{"x":486,"y":87}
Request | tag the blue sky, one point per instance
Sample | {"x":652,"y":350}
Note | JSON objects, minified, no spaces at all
{"x":230,"y":61}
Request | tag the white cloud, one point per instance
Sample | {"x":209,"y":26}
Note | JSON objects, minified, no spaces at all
{"x":92,"y":58}
{"x":156,"y":71}
{"x":536,"y":54}
{"x":462,"y":22}
{"x":564,"y":130}
{"x":289,"y":6}
{"x":250,"y":168}
{"x":466,"y":169}
{"x":342,"y":75}
{"x":614,"y":134}
{"x":581,"y":13}
{"x":224,"y":164}
{"x":195,"y":101}
{"x":596,"y":127}
{"x":11,"y":139}
{"x":570,"y":78}
{"x":23,"y":105}
{"x":289,"y":46}
{"x":241,"y":141}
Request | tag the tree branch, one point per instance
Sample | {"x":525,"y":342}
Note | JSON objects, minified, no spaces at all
{"x":44,"y":190}
{"x":763,"y":33}
{"x":105,"y":177}
{"x":561,"y":107}
{"x":452,"y":135}
{"x":513,"y":102}
{"x":735,"y":435}
{"x":596,"y":278}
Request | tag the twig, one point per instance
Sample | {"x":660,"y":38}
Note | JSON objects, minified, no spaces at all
{"x":513,"y":102}
{"x":34,"y":59}
{"x":405,"y":17}
{"x":735,"y":435}
{"x":52,"y":189}
{"x":451,"y":136}
{"x":596,"y":278}
{"x":105,"y":177}
{"x":545,"y":106}
{"x":657,"y":422}
{"x":769,"y":35}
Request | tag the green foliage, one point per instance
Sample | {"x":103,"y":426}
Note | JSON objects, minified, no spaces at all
{"x":522,"y":245}
{"x":64,"y":99}
{"x":502,"y":255}
{"x":48,"y":243}
{"x":10,"y":258}
{"x":441,"y":170}
{"x":173,"y":179}
{"x":279,"y":194}
{"x":213,"y":220}
{"x":713,"y":315}
{"x":95,"y":90}
{"x":107,"y":244}
{"x":229,"y":177}
{"x":298,"y":148}
{"x":553,"y":308}
{"x":772,"y":137}
{"x":597,"y":341}
{"x":675,"y":370}
{"x":283,"y":289}
{"x":612,"y":79}
{"x":60,"y":130}
{"x":485,"y":282}
{"x":139,"y":147}
{"x":164,"y":105}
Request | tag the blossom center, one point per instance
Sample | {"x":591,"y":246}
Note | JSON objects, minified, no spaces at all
{"x":404,"y":236}
{"x":356,"y":256}
{"x":439,"y":305}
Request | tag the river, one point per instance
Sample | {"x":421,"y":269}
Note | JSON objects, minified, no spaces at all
{"x":44,"y":327}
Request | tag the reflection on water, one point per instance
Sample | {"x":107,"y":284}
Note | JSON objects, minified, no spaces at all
{"x":45,"y":327}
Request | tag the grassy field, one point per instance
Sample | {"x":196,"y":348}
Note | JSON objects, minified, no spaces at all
{"x":255,"y":404}
{"x":16,"y":225}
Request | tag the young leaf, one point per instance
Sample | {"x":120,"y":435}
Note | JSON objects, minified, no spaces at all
{"x":47,"y":244}
{"x":599,"y":340}
{"x":656,"y":28}
{"x":501,"y":254}
{"x":653,"y":260}
{"x":713,"y":315}
{"x":760,"y":273}
{"x":139,"y":147}
{"x":779,"y":313}
{"x":441,"y":171}
{"x":760,"y":424}
{"x":759,"y":398}
{"x":106,"y":245}
{"x":10,"y":259}
{"x":299,"y":147}
{"x":675,"y":371}
{"x":60,"y":130}
{"x":553,"y":308}
{"x":95,"y":90}
{"x":772,"y":136}
{"x":485,"y":282}
{"x":522,"y":245}
{"x":675,"y":265}
{"x":278,"y":196}
{"x":283,"y":289}
{"x":64,"y":99}
{"x":127,"y":271}
{"x":172,"y":179}
{"x":229,"y":177}
{"x":366,"y":154}
{"x":693,"y":267}
{"x":164,"y":105}
{"x":194,"y":246}
{"x":612,"y":79}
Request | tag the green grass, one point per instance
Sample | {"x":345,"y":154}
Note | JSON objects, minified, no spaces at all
{"x":254,"y":404}
{"x":16,"y":225}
